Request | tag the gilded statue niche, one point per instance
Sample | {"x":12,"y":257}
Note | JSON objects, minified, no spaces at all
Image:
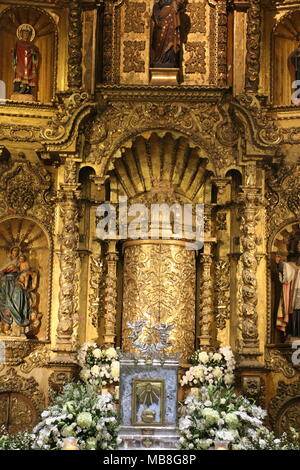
{"x":285,"y":44}
{"x":283,"y":249}
{"x":41,"y":44}
{"x":25,"y":266}
{"x":160,"y":279}
{"x":158,"y":276}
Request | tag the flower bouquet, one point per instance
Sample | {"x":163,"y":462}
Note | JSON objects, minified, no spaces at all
{"x":99,"y":366}
{"x":211,"y":368}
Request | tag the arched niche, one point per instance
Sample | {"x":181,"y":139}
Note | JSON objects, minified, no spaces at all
{"x":285,"y":40}
{"x":284,"y":244}
{"x":33,"y":242}
{"x":45,"y":39}
{"x":159,"y":276}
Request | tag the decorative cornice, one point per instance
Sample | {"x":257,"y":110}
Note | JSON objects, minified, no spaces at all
{"x":153,"y":93}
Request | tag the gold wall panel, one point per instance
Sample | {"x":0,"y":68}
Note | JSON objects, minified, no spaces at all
{"x":160,"y":279}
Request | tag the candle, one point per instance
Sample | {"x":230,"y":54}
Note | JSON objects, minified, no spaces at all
{"x":221,"y":445}
{"x":70,"y":443}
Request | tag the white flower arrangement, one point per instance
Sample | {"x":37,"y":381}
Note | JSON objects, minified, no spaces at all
{"x":79,"y":412}
{"x":211,"y":368}
{"x":218,"y":414}
{"x":99,"y":365}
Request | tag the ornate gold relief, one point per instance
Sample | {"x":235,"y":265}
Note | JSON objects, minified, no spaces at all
{"x":197,"y":14}
{"x":249,"y":210}
{"x":277,"y":361}
{"x":195,"y":63}
{"x":134,"y":17}
{"x":284,"y":408}
{"x":110,"y":295}
{"x":69,"y":266}
{"x":12,"y":382}
{"x":133,"y":59}
{"x":97,"y":287}
{"x":159,"y":279}
{"x":222,"y":292}
{"x":26,"y":190}
{"x":59,"y":378}
{"x":206,"y":301}
{"x":253,"y":45}
{"x":40,"y":357}
{"x":75,"y":46}
{"x":197,"y":121}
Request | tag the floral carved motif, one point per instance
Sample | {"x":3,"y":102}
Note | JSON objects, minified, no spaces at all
{"x":12,"y":382}
{"x":222,"y":290}
{"x":197,"y":14}
{"x":25,"y":189}
{"x":69,"y":266}
{"x":134,"y":17}
{"x":279,"y":362}
{"x":284,"y":409}
{"x":97,"y":288}
{"x":195,"y":63}
{"x":75,"y":46}
{"x":133,"y":59}
{"x":249,"y":212}
{"x":253,"y":45}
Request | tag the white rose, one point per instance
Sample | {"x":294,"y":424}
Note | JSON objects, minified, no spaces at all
{"x":97,"y":353}
{"x":85,"y":374}
{"x":217,"y":357}
{"x":95,"y":371}
{"x":203,"y":357}
{"x":111,"y":353}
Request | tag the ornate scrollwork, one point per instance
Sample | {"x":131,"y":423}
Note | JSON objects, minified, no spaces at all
{"x":97,"y":287}
{"x":278,"y":362}
{"x":222,"y":289}
{"x":124,"y":119}
{"x":24,"y":189}
{"x":284,"y":408}
{"x":40,"y":357}
{"x":70,"y":107}
{"x":250,"y":203}
{"x":75,"y":46}
{"x":253,"y":45}
{"x":12,"y":382}
{"x":69,"y":266}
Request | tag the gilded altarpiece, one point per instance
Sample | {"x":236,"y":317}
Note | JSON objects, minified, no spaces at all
{"x":160,"y":280}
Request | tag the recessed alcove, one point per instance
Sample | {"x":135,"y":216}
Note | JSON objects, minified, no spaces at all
{"x":285,"y":40}
{"x":45,"y":40}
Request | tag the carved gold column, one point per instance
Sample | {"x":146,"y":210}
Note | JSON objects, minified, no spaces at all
{"x":75,"y":46}
{"x":206,"y":299}
{"x":253,"y":46}
{"x":160,"y":281}
{"x":222,"y":43}
{"x":110,"y":296}
{"x":69,"y":261}
{"x":251,"y":204}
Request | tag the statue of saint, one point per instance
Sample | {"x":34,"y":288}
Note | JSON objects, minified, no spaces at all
{"x":25,"y":62}
{"x":165,"y":33}
{"x":14,"y":298}
{"x":295,"y":60}
{"x":288,"y":318}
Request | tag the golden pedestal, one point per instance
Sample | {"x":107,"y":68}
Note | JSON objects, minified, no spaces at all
{"x":164,"y":76}
{"x":20,"y":97}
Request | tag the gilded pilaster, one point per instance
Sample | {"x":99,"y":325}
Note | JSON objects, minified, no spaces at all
{"x":67,"y":330}
{"x":110,"y":296}
{"x":253,"y":46}
{"x":206,"y":299}
{"x":75,"y":46}
{"x":251,"y":204}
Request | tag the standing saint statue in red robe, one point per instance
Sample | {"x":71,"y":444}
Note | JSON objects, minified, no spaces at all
{"x":25,"y":62}
{"x":165,"y":33}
